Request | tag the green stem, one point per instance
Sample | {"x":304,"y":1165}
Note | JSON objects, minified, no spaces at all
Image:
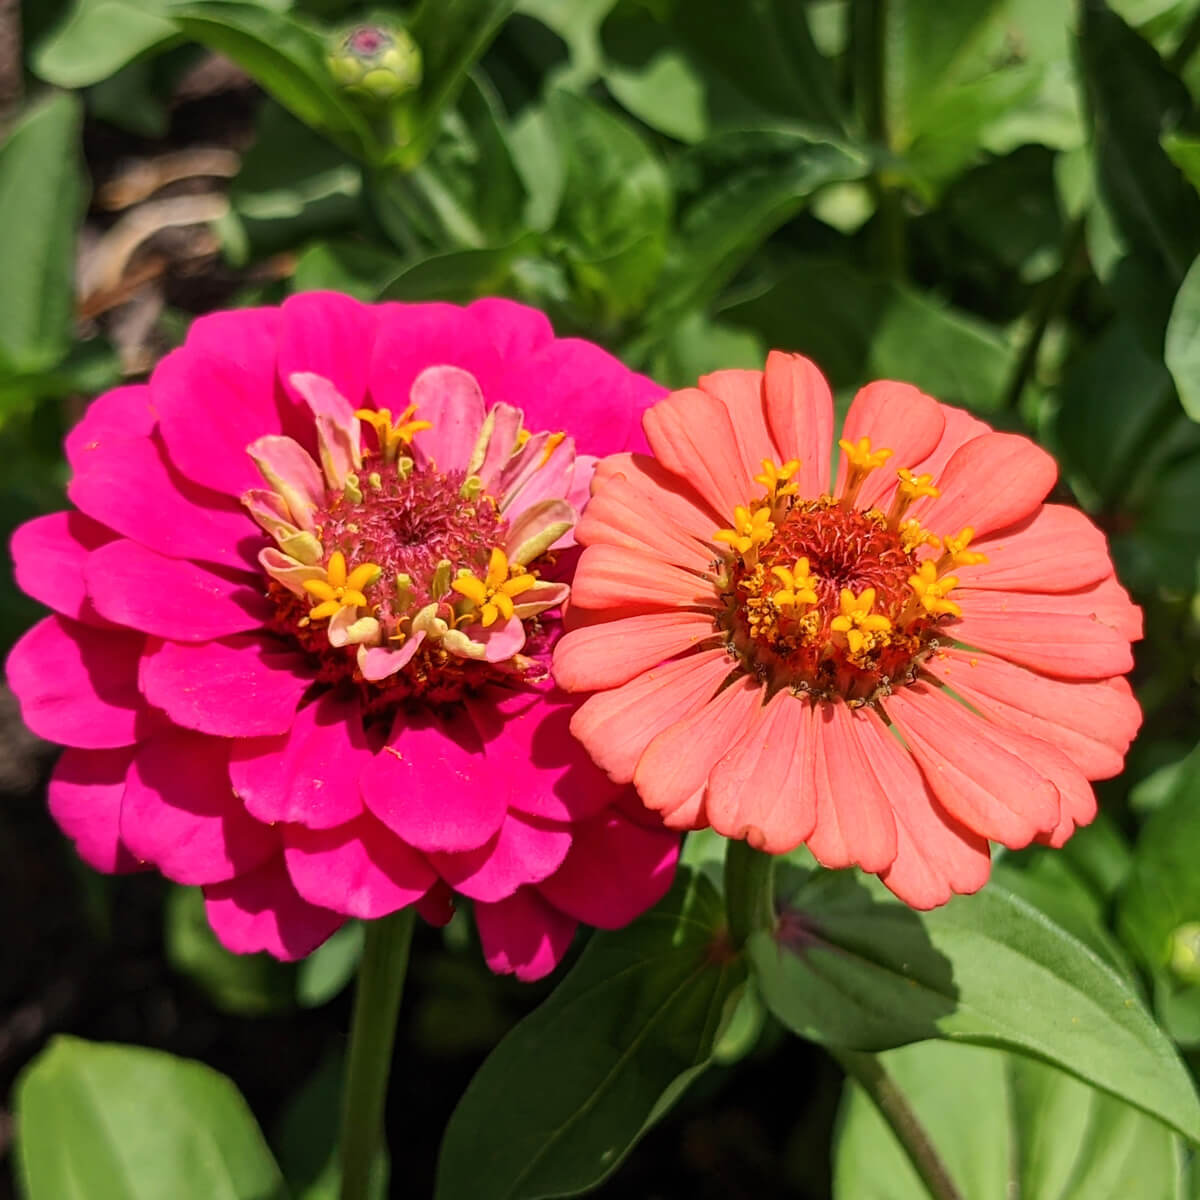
{"x":749,"y":890}
{"x":893,"y":1106}
{"x":372,"y":1036}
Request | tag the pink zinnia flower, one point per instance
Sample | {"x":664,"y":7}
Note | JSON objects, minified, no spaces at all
{"x":894,"y":668}
{"x":303,"y":617}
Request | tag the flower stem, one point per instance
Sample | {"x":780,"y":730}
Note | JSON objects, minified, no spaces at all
{"x":749,"y":890}
{"x":372,"y":1036}
{"x":867,"y":1071}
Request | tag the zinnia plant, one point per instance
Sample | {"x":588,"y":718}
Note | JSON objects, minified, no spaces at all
{"x":303,"y":614}
{"x":895,"y":664}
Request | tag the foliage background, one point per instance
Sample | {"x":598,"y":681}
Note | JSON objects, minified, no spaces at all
{"x":993,"y":199}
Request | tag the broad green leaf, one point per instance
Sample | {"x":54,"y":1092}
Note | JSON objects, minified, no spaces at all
{"x":98,"y":38}
{"x":560,"y":1102}
{"x":696,"y":345}
{"x":459,"y":276}
{"x":1184,"y":151}
{"x":866,"y":328}
{"x":851,"y":969}
{"x":107,"y":1122}
{"x":287,"y":59}
{"x":1182,"y":351}
{"x":330,"y":967}
{"x":359,"y":268}
{"x":1004,"y":1126}
{"x":42,"y":198}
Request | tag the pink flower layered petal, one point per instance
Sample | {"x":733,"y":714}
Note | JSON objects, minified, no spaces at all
{"x":262,"y":911}
{"x":800,"y":416}
{"x":85,"y":799}
{"x":656,"y":490}
{"x":514,"y":330}
{"x":612,"y":577}
{"x":308,"y":775}
{"x":78,"y":685}
{"x":330,"y":335}
{"x":49,"y":554}
{"x":428,"y":756}
{"x":241,"y":686}
{"x":616,"y":726}
{"x":451,"y":399}
{"x":524,"y":851}
{"x":896,"y":417}
{"x":359,"y":868}
{"x":125,"y":412}
{"x":126,"y":484}
{"x":854,"y":815}
{"x":763,"y":788}
{"x":693,"y":436}
{"x":1057,"y":550}
{"x":606,"y":655}
{"x":978,"y":780}
{"x":936,"y":857}
{"x":614,"y":870}
{"x":672,"y":773}
{"x":522,"y":935}
{"x":170,"y":597}
{"x":992,"y":481}
{"x":180,"y":813}
{"x":741,"y":392}
{"x":1093,"y":723}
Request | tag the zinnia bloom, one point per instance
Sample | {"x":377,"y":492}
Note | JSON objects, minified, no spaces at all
{"x":894,"y":668}
{"x":303,"y":616}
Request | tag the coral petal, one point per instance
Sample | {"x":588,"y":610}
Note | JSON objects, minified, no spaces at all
{"x":614,"y":577}
{"x":800,"y":416}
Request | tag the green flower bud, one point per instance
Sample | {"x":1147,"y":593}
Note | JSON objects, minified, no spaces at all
{"x":1184,"y":953}
{"x":376,"y":63}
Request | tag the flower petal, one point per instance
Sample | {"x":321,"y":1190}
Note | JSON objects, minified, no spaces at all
{"x":327,"y":334}
{"x":800,"y":416}
{"x":240,"y":686}
{"x":616,"y":577}
{"x":451,"y":399}
{"x":179,"y":811}
{"x":77,"y":684}
{"x":85,"y":800}
{"x":49,"y":554}
{"x":514,"y":330}
{"x":656,"y":491}
{"x":959,"y":429}
{"x":124,"y":412}
{"x":741,"y":392}
{"x":1106,"y":601}
{"x":524,"y":851}
{"x":263,"y":911}
{"x":522,"y":935}
{"x":359,"y":868}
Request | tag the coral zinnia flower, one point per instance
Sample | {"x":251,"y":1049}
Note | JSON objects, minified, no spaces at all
{"x":893,"y":669}
{"x":303,"y":620}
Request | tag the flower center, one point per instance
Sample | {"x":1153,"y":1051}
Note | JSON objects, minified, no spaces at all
{"x":825,"y":598}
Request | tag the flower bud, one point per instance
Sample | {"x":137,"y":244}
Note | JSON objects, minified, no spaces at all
{"x":376,"y":62}
{"x":1184,"y":952}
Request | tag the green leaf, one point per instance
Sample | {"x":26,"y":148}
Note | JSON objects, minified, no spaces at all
{"x":99,"y":38}
{"x":459,"y":276}
{"x":1184,"y":151}
{"x":1182,"y":351}
{"x":42,"y":198}
{"x":1004,"y":1126}
{"x":867,"y":328}
{"x":287,"y":60}
{"x":106,"y":1122}
{"x":359,"y":268}
{"x":325,"y":973}
{"x":563,"y":1098}
{"x":846,"y":968}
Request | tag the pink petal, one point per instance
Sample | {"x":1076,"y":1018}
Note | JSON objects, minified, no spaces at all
{"x":763,"y":788}
{"x":968,"y":766}
{"x":125,"y":412}
{"x":433,"y":785}
{"x":614,"y":871}
{"x":359,"y":868}
{"x":514,"y":330}
{"x":896,"y":417}
{"x":692,"y":435}
{"x":959,"y":429}
{"x":854,"y":815}
{"x":126,"y":484}
{"x":436,"y":907}
{"x":379,"y":662}
{"x":502,"y":426}
{"x":308,"y":775}
{"x":451,"y":399}
{"x":240,"y":686}
{"x":330,"y":335}
{"x":655,"y":490}
{"x":800,"y":416}
{"x":179,"y":811}
{"x":339,"y":433}
{"x":48,"y":558}
{"x":936,"y":857}
{"x":290,"y":470}
{"x":615,"y":577}
{"x":77,"y":684}
{"x":522,"y":935}
{"x":524,"y":851}
{"x":169,"y":597}
{"x":616,"y":726}
{"x":528,"y":741}
{"x":501,"y":640}
{"x":741,"y":392}
{"x":263,"y":911}
{"x":1105,"y":601}
{"x":990,"y":482}
{"x":673,"y":771}
{"x":85,"y":799}
{"x":1092,"y":723}
{"x":603,"y":656}
{"x":538,"y":471}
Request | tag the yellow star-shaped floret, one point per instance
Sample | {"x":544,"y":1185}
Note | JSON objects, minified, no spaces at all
{"x":861,"y":457}
{"x":863,"y":628}
{"x":492,"y":596}
{"x":931,"y":591}
{"x":750,"y":528}
{"x":340,"y":588}
{"x":956,"y":553}
{"x":799,"y":585}
{"x":393,"y":434}
{"x":778,"y":479}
